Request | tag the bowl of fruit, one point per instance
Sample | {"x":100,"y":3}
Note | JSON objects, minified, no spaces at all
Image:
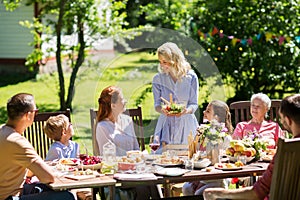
{"x":90,"y":162}
{"x":238,"y":149}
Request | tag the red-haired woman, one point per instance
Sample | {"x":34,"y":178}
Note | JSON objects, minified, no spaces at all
{"x":114,"y":126}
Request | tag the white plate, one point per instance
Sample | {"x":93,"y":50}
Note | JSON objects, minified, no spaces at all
{"x":151,"y":157}
{"x":223,"y":166}
{"x":202,"y":163}
{"x":267,"y":158}
{"x":167,"y":164}
{"x":171,"y":171}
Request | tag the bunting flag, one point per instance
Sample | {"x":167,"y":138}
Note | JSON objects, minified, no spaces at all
{"x":268,"y":36}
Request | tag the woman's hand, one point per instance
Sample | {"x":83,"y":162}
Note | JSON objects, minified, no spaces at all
{"x":166,"y":113}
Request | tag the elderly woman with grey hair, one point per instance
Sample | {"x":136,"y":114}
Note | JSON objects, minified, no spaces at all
{"x":268,"y":130}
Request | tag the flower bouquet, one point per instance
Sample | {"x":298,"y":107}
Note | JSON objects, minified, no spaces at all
{"x":211,"y":136}
{"x":214,"y":133}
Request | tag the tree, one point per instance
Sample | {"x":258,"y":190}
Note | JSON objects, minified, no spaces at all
{"x":86,"y":20}
{"x":255,"y":44}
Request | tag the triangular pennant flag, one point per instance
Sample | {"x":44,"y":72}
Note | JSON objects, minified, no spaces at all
{"x":234,"y":41}
{"x":268,"y":36}
{"x":258,"y":36}
{"x":281,"y":40}
{"x":244,"y":42}
{"x":249,"y":41}
{"x":199,"y":32}
{"x":288,"y":39}
{"x":214,"y":31}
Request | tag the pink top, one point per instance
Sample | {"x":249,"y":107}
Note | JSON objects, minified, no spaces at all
{"x":268,"y":130}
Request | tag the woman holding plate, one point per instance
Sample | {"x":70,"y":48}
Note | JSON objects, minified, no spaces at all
{"x":175,"y":83}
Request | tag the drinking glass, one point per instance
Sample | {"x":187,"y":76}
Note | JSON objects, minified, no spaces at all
{"x":189,"y":164}
{"x":154,"y":143}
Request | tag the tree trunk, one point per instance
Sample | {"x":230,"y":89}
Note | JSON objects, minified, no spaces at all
{"x":58,"y":57}
{"x":79,"y":61}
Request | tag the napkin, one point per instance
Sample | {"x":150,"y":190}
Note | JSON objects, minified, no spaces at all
{"x":135,"y":177}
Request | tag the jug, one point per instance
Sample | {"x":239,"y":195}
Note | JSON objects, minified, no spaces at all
{"x":109,"y":152}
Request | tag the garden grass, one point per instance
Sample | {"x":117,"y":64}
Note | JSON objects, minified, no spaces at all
{"x":131,"y":72}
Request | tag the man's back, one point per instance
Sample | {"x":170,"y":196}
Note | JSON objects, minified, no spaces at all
{"x":16,"y":153}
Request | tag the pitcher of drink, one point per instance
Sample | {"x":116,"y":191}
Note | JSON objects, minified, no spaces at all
{"x":109,"y":152}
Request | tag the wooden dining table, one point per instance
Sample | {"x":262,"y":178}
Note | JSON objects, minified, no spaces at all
{"x":250,"y":170}
{"x":63,"y":183}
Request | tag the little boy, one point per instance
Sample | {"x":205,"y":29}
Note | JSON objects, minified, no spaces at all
{"x":61,"y":130}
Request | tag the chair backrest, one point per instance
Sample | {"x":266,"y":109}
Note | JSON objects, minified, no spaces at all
{"x":35,"y":133}
{"x":241,"y":111}
{"x":285,"y":179}
{"x":136,"y":115}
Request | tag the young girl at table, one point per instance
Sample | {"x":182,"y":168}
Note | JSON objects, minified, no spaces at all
{"x":61,"y":130}
{"x":219,"y":111}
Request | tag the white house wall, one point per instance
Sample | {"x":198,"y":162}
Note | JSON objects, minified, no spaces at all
{"x":15,"y":39}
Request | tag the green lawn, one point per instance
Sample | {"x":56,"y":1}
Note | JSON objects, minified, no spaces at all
{"x":132,"y":72}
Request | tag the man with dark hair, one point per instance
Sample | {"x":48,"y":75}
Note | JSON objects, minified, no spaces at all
{"x":290,"y":117}
{"x":18,"y":157}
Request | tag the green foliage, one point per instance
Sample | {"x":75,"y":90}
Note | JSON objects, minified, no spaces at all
{"x":175,"y":14}
{"x":144,"y":94}
{"x":83,"y":23}
{"x":11,"y":5}
{"x":265,"y":66}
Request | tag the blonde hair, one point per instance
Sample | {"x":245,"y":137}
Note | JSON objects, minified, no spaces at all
{"x":171,"y":53}
{"x":55,"y":125}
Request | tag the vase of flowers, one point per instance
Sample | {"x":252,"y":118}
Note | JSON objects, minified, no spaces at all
{"x":213,"y":152}
{"x":211,"y":137}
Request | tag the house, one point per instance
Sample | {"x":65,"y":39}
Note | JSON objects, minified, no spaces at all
{"x":14,"y":39}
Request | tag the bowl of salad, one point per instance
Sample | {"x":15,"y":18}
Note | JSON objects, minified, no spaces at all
{"x":173,"y":108}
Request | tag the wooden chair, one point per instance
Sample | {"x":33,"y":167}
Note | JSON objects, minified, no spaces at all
{"x":35,"y":133}
{"x":241,"y":111}
{"x":286,"y":172}
{"x":136,"y":115}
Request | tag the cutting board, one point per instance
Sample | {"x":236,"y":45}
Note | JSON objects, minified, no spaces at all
{"x":80,"y":177}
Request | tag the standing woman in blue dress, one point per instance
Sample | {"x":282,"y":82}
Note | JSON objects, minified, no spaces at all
{"x":178,"y":81}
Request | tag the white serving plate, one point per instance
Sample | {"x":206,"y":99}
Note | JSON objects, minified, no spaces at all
{"x":202,"y":163}
{"x":171,"y":171}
